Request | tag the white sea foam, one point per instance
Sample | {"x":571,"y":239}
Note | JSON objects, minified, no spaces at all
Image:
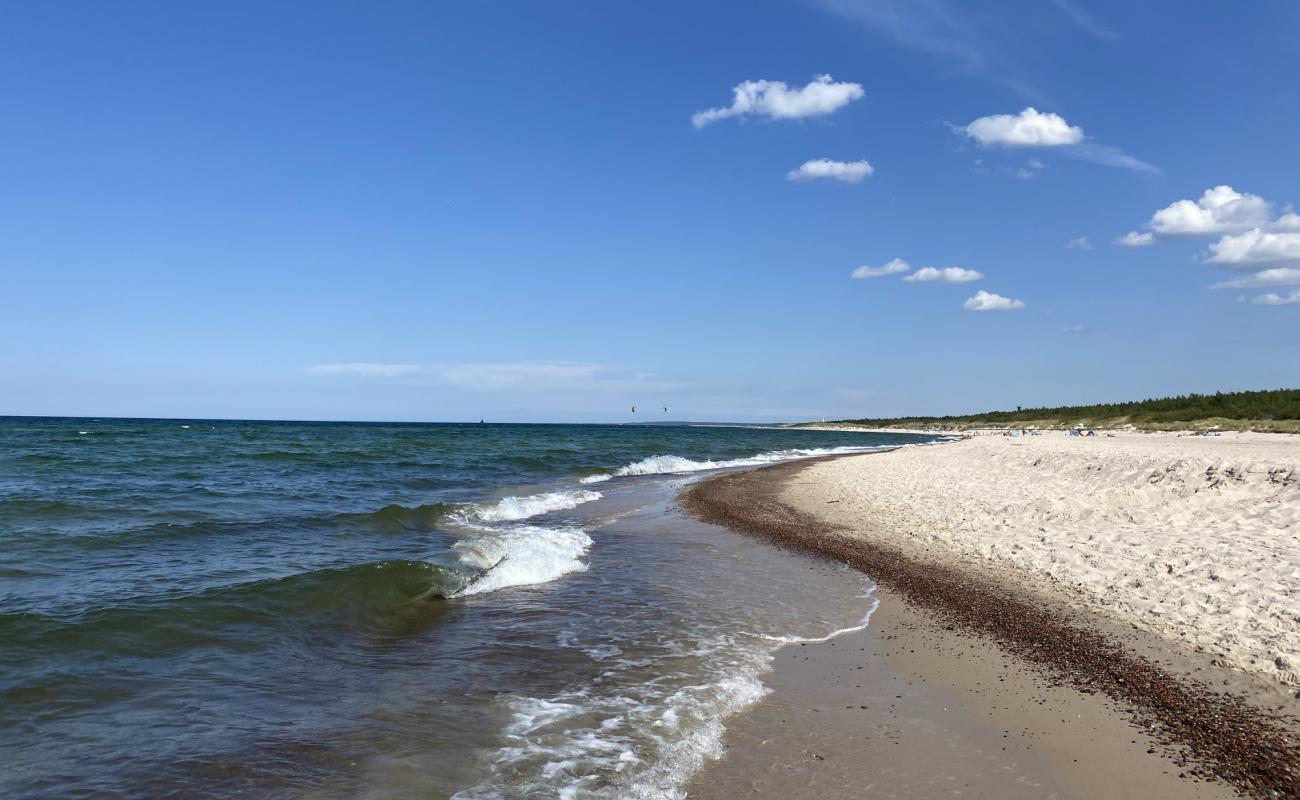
{"x":522,"y":555}
{"x":512,"y":509}
{"x":677,"y":465}
{"x":612,"y":739}
{"x":835,"y":634}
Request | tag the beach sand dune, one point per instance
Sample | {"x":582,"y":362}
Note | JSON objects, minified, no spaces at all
{"x":1194,"y":538}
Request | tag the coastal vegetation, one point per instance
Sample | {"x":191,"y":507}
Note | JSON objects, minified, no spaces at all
{"x":1272,"y":410}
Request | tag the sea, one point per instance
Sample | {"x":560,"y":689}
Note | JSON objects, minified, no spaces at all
{"x":216,"y":609}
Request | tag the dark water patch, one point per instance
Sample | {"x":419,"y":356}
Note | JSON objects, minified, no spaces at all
{"x":362,"y":598}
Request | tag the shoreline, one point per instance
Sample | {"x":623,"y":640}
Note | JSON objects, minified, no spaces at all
{"x":1198,"y":732}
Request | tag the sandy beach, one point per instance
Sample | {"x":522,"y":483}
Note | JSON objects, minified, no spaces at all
{"x":1140,"y":588}
{"x":1191,"y":537}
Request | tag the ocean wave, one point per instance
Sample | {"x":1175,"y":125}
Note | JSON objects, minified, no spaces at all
{"x":522,"y":555}
{"x":367,"y":597}
{"x":512,"y":509}
{"x":373,"y":596}
{"x":427,"y":517}
{"x":677,"y":465}
{"x":612,"y":739}
{"x":405,"y":518}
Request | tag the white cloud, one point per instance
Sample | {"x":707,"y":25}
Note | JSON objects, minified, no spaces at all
{"x":1034,"y":128}
{"x":1219,"y":210}
{"x":775,"y":99}
{"x":987,"y":301}
{"x":1248,"y":236}
{"x":1135,"y":239}
{"x":1278,"y":276}
{"x":892,"y":267}
{"x":944,"y":275}
{"x":365,"y":369}
{"x":1075,"y":329}
{"x":1290,"y":221}
{"x":1256,"y":246}
{"x":1078,"y":243}
{"x":1242,"y":220}
{"x":1272,"y":299}
{"x":1029,"y":128}
{"x":846,"y":171}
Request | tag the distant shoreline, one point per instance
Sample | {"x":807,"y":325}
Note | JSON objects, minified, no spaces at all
{"x":1214,"y":425}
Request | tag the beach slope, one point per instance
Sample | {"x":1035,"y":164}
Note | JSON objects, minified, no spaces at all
{"x":1135,"y":568}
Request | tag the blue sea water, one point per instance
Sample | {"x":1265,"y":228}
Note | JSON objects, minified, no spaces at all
{"x":194,"y":608}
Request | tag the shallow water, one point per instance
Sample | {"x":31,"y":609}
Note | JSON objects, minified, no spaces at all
{"x":320,"y":610}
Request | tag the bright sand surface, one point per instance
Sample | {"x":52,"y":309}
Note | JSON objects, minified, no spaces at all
{"x":1193,"y":538}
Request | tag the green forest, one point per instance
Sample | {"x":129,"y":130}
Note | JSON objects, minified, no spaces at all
{"x":1280,"y":406}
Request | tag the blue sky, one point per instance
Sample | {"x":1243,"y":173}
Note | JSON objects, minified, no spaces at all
{"x":447,"y":211}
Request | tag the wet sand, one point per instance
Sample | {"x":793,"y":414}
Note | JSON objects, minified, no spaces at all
{"x":973,"y":689}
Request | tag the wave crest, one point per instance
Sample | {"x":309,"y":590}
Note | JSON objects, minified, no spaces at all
{"x":677,"y":465}
{"x":522,"y":556}
{"x":512,"y":509}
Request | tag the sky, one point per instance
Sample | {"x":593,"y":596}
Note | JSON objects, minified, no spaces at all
{"x":553,"y":211}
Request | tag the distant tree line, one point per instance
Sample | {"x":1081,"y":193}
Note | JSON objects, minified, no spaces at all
{"x":1278,"y":404}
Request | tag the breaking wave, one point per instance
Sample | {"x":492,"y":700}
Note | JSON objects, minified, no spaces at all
{"x":512,"y":509}
{"x":521,"y":556}
{"x":676,"y":465}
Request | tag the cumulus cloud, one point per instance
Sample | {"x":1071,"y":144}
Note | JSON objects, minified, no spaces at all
{"x":1222,"y":211}
{"x":1219,"y":210}
{"x":1029,"y":128}
{"x":1290,"y":221}
{"x":365,"y":369}
{"x":892,"y":267}
{"x":1256,"y":246}
{"x":776,"y":100}
{"x":1034,"y":128}
{"x":1272,"y":299}
{"x":987,"y":301}
{"x":944,"y":275}
{"x":1249,"y":238}
{"x":846,"y":171}
{"x":1078,"y":243}
{"x":1278,"y":276}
